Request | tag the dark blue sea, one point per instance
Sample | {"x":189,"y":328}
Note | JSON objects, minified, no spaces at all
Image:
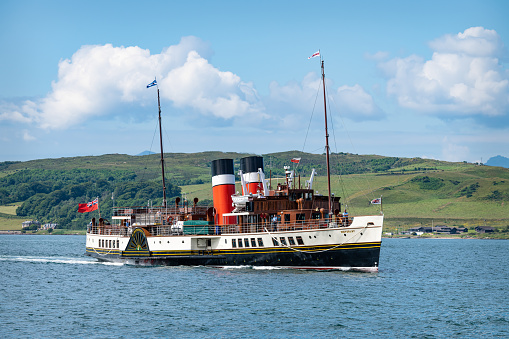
{"x":426,"y":288}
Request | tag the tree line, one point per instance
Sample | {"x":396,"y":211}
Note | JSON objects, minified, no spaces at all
{"x":54,"y":195}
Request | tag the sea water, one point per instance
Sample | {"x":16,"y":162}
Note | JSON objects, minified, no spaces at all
{"x":425,"y":288}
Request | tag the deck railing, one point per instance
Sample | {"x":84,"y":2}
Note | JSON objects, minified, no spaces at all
{"x":166,"y":230}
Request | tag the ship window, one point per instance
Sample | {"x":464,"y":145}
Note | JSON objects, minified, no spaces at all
{"x":240,"y":242}
{"x":103,"y":243}
{"x":118,"y":243}
{"x":260,"y":242}
{"x":316,"y":216}
{"x":246,"y":242}
{"x":234,"y":243}
{"x":299,"y":240}
{"x":113,"y":244}
{"x":301,"y":217}
{"x":291,"y":241}
{"x":253,"y":242}
{"x":274,"y":241}
{"x":282,"y":240}
{"x":287,"y":218}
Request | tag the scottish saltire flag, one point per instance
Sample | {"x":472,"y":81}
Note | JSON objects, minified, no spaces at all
{"x":314,"y":55}
{"x":153,"y":83}
{"x":376,"y":201}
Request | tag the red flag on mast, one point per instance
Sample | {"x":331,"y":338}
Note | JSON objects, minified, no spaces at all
{"x":89,"y":207}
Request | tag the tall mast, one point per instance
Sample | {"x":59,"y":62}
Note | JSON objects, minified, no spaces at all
{"x":161,"y":142}
{"x":326,"y":140}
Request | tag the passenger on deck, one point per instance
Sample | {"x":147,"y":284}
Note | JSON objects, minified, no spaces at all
{"x":274,"y":223}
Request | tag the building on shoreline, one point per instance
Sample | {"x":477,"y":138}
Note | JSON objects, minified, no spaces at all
{"x":27,"y":224}
{"x":436,"y":229}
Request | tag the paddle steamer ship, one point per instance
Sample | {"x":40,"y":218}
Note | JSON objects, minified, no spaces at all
{"x":287,"y":225}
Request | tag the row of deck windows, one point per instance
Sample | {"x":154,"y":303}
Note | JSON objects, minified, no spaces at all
{"x":109,"y":243}
{"x":291,"y":241}
{"x":245,"y":242}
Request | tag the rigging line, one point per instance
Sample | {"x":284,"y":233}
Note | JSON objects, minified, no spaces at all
{"x":316,"y":251}
{"x":169,"y":140}
{"x":339,"y":179}
{"x":363,"y":174}
{"x":311,"y":117}
{"x":150,"y":150}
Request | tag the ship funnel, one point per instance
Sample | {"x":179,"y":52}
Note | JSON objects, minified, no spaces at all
{"x":223,"y":187}
{"x":253,"y":179}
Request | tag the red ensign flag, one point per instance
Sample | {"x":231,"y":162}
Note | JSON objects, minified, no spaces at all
{"x":89,"y":207}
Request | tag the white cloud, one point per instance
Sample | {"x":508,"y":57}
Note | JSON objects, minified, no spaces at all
{"x":474,"y":41}
{"x":27,"y":136}
{"x":357,"y":104}
{"x":198,"y":84}
{"x":454,"y":152}
{"x":99,"y":78}
{"x":463,"y":77}
{"x":351,"y":101}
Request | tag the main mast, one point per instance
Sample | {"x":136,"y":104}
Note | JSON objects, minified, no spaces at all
{"x":326,"y":140}
{"x":161,"y":142}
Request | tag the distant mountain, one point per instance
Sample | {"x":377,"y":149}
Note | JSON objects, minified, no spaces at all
{"x":499,"y":161}
{"x":145,"y":153}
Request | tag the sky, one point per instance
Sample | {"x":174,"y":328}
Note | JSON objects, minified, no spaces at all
{"x":425,"y":79}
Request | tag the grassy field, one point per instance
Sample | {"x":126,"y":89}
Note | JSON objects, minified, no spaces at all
{"x":10,"y":223}
{"x":9,"y":209}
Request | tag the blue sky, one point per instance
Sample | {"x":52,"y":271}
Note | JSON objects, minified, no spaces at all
{"x":404,"y":78}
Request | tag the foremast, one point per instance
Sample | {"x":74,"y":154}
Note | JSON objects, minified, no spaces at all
{"x":161,"y":143}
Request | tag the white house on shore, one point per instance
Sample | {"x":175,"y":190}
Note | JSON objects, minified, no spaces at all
{"x":28,"y":223}
{"x":48,"y":226}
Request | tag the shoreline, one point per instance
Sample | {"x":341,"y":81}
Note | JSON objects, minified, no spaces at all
{"x":79,"y":232}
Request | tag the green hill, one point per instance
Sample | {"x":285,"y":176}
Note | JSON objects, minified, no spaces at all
{"x":414,"y":191}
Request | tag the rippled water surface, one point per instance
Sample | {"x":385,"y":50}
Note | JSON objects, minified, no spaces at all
{"x":426,"y":288}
